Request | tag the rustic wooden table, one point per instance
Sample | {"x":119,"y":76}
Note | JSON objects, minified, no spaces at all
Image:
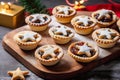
{"x":108,"y":71}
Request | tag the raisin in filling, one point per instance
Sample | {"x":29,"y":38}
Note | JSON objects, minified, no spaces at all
{"x":48,"y":57}
{"x":41,"y":53}
{"x":105,"y":18}
{"x":74,"y":50}
{"x":36,"y":36}
{"x":45,"y":18}
{"x":68,"y":33}
{"x":90,"y":23}
{"x":56,"y":52}
{"x":21,"y":37}
{"x":70,"y":12}
{"x":36,"y":21}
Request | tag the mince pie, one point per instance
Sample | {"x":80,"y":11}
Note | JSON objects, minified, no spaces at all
{"x":27,"y":40}
{"x":105,"y":37}
{"x":104,"y":17}
{"x":83,"y":51}
{"x":83,"y":24}
{"x":49,"y":54}
{"x":61,"y":34}
{"x":38,"y":22}
{"x":64,"y":13}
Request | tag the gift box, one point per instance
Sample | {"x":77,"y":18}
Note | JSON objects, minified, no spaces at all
{"x":11,"y":16}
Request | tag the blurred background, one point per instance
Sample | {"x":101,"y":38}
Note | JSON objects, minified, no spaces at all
{"x":52,"y":3}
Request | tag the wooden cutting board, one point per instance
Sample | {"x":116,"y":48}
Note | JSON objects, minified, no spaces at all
{"x":67,"y":67}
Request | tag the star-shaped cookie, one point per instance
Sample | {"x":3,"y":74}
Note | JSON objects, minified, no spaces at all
{"x":38,"y":17}
{"x":49,"y":50}
{"x":83,"y":20}
{"x":28,"y":36}
{"x":105,"y":33}
{"x":64,"y":10}
{"x":103,"y":13}
{"x":84,"y":49}
{"x":18,"y":74}
{"x":61,"y":29}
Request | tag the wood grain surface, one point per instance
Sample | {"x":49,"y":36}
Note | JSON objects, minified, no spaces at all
{"x":67,"y":67}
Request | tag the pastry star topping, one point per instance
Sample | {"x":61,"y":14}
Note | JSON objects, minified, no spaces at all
{"x":84,"y":49}
{"x":64,"y":10}
{"x":106,"y":33}
{"x":38,"y":17}
{"x":61,"y":29}
{"x":103,"y":12}
{"x":83,"y":20}
{"x":18,"y":74}
{"x":28,"y":36}
{"x":49,"y":51}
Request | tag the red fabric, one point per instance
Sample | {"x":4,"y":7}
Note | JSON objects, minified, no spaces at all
{"x":114,"y":7}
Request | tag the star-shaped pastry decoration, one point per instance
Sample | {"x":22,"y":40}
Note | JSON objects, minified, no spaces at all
{"x":18,"y":74}
{"x":49,"y":51}
{"x":84,"y":49}
{"x":64,"y":10}
{"x":38,"y":17}
{"x":83,"y":20}
{"x":105,"y":33}
{"x":103,"y":13}
{"x":62,"y":29}
{"x":28,"y":36}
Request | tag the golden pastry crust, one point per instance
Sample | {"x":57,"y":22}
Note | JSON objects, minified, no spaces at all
{"x":49,"y":55}
{"x":83,"y":51}
{"x":105,"y":37}
{"x":64,"y":13}
{"x":27,"y":40}
{"x":61,"y":34}
{"x":83,"y":24}
{"x":38,"y":22}
{"x":118,"y":24}
{"x":107,"y":17}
